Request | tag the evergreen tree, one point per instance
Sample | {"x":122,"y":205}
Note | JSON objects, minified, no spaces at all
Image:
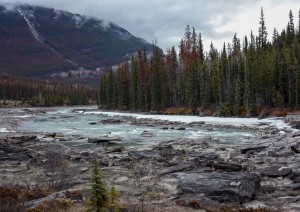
{"x":262,"y":35}
{"x":134,"y":82}
{"x":98,"y":200}
{"x":155,"y":81}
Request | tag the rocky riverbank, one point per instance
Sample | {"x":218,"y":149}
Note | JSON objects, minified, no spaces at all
{"x":203,"y":173}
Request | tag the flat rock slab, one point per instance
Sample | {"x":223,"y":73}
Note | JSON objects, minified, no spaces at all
{"x":229,"y":167}
{"x":276,"y":171}
{"x":221,"y":187}
{"x":104,"y":139}
{"x":111,"y":121}
{"x":177,"y":168}
{"x":253,"y":149}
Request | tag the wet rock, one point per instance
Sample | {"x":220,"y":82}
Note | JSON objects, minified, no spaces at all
{"x":104,"y":139}
{"x":111,"y":121}
{"x":229,"y":167}
{"x":117,"y":149}
{"x":181,"y":128}
{"x":93,"y":123}
{"x":253,"y":149}
{"x":221,"y":187}
{"x":176,"y":168}
{"x":147,"y":134}
{"x":276,"y":171}
{"x":196,"y":124}
{"x":295,"y":124}
{"x":296,"y":134}
{"x":296,"y":148}
{"x":164,"y":128}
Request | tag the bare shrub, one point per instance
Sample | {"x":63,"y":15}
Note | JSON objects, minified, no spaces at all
{"x":58,"y":171}
{"x":146,"y":182}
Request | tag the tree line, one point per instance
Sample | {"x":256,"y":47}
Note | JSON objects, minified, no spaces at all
{"x":44,"y":93}
{"x":244,"y":77}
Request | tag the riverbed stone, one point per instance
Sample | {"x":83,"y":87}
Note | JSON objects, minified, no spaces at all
{"x":230,"y":167}
{"x":276,"y":171}
{"x":177,"y":168}
{"x":111,"y":121}
{"x":221,"y":187}
{"x":296,"y":148}
{"x":253,"y":149}
{"x":104,"y":139}
{"x":147,"y":134}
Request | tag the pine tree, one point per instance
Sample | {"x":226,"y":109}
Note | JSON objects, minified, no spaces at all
{"x":134,"y":82}
{"x":155,"y":81}
{"x":262,"y":37}
{"x":98,"y":200}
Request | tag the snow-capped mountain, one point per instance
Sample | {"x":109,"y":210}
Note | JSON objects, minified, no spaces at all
{"x":38,"y":41}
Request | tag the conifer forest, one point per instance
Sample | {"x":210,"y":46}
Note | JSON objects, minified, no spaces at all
{"x":248,"y":74}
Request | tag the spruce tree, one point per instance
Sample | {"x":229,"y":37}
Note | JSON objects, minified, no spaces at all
{"x":98,"y":200}
{"x":262,"y":36}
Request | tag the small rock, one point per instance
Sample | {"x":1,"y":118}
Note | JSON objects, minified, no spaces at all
{"x":181,"y":128}
{"x":93,"y":123}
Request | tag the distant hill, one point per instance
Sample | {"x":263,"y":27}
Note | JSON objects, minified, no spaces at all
{"x":38,"y":41}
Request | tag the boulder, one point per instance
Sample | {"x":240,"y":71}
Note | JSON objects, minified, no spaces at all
{"x":167,"y":151}
{"x":296,"y":148}
{"x":206,"y":159}
{"x":229,"y":167}
{"x":276,"y":171}
{"x":253,"y":149}
{"x":111,"y":121}
{"x":221,"y":187}
{"x":295,"y":124}
{"x":147,"y":134}
{"x":104,"y":139}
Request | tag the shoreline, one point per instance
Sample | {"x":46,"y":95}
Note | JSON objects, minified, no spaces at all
{"x":176,"y":169}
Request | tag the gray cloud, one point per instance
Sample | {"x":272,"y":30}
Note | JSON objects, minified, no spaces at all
{"x":162,"y":20}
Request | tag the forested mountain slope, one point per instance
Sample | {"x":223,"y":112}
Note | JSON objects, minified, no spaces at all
{"x":38,"y":41}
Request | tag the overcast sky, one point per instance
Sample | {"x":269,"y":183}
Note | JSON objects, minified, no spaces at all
{"x":165,"y":20}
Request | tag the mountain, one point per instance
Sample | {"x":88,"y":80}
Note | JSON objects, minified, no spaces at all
{"x":38,"y":41}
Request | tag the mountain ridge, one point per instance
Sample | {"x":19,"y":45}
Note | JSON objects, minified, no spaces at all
{"x":40,"y":41}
